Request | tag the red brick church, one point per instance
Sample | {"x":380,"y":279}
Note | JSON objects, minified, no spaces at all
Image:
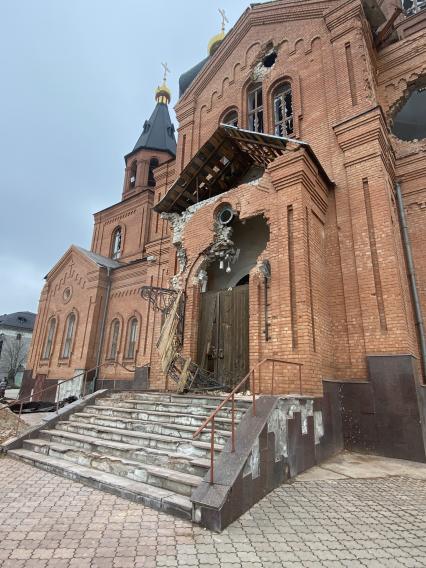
{"x":287,"y":221}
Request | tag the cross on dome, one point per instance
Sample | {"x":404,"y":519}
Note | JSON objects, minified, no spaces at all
{"x":224,"y":18}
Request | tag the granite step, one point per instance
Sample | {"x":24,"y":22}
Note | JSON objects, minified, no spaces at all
{"x":146,"y":494}
{"x":170,"y":407}
{"x":177,"y":430}
{"x":146,"y":439}
{"x":157,"y":476}
{"x":178,"y":461}
{"x":184,"y":419}
{"x":189,"y":400}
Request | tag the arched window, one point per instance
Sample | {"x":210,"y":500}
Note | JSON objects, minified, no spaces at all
{"x":69,"y":334}
{"x":115,"y":331}
{"x":283,"y":110}
{"x":153,"y":163}
{"x":132,"y":174}
{"x":132,"y":332}
{"x":49,"y":338}
{"x":255,"y":109}
{"x":230,"y":118}
{"x":116,"y":243}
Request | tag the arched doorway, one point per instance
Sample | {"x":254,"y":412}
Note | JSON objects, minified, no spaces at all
{"x":223,"y":332}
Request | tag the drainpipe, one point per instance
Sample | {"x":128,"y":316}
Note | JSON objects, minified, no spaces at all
{"x":412,"y":278}
{"x":104,"y":315}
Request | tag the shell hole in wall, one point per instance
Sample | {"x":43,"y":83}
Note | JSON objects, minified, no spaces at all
{"x":249,"y":237}
{"x":269,"y":59}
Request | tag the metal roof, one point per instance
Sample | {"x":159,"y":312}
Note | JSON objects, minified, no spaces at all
{"x":186,"y":78}
{"x":222,"y":163}
{"x":99,"y":259}
{"x":18,"y":320}
{"x":158,"y":132}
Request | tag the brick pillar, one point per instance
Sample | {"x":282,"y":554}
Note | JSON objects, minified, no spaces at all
{"x":380,"y":274}
{"x":300,"y":316}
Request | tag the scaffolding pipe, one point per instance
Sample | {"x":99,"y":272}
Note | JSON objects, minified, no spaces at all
{"x":412,"y":278}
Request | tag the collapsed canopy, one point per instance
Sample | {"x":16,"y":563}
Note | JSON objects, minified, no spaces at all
{"x":222,"y":163}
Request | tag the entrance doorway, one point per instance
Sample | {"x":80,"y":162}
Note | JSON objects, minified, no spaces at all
{"x":223,"y":333}
{"x":223,"y":336}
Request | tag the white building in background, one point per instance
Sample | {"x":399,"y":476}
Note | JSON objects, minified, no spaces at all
{"x":16,"y":331}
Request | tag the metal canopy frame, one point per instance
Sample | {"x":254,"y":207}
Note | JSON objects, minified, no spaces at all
{"x":222,"y":162}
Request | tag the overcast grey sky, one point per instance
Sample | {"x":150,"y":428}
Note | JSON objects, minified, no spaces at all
{"x":77,"y":82}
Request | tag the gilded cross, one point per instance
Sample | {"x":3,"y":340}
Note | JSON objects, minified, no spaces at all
{"x":166,"y":70}
{"x":224,"y":18}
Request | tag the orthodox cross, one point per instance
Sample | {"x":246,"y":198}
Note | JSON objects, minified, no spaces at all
{"x":166,"y":70}
{"x":224,"y":18}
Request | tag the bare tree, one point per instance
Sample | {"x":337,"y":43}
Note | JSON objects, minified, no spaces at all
{"x":14,"y":354}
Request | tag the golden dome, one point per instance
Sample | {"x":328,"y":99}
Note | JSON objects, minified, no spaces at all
{"x":163,"y":94}
{"x":215,"y":42}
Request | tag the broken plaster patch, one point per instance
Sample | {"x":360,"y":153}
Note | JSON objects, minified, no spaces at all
{"x":253,"y":463}
{"x":278,"y":422}
{"x":178,"y":222}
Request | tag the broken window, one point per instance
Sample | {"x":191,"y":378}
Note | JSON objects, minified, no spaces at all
{"x":409,"y":122}
{"x":230,"y":118}
{"x":116,"y":243}
{"x":152,"y":165}
{"x":132,"y":335}
{"x":115,"y":331}
{"x":69,"y":334}
{"x":411,"y":7}
{"x":132,"y":175}
{"x":283,"y":110}
{"x":255,"y":109}
{"x":49,"y":339}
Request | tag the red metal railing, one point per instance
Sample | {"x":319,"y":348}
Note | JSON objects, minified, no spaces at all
{"x":231,"y":396}
{"x":82,"y":392}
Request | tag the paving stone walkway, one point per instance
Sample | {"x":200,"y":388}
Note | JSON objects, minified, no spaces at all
{"x":48,"y":521}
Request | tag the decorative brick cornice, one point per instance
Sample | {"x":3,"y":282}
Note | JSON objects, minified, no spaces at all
{"x":298,"y":169}
{"x":343,"y":14}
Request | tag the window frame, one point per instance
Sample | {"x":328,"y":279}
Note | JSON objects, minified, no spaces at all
{"x":258,"y":109}
{"x":115,"y":255}
{"x":154,"y":162}
{"x":68,"y":341}
{"x":225,"y":117}
{"x":280,"y":93}
{"x":131,"y":344}
{"x":114,"y":340}
{"x":133,"y":171}
{"x":49,"y":338}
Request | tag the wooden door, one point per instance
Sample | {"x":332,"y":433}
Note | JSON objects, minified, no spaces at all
{"x":223,"y":338}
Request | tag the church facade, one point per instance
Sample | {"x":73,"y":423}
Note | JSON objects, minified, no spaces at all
{"x":288,"y":218}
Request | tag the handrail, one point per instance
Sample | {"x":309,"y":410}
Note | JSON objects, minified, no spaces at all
{"x":231,"y":395}
{"x":20,"y":401}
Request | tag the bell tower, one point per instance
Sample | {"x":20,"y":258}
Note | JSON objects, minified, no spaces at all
{"x":155,"y":145}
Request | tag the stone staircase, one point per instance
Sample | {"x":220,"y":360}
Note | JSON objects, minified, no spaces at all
{"x":136,"y":445}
